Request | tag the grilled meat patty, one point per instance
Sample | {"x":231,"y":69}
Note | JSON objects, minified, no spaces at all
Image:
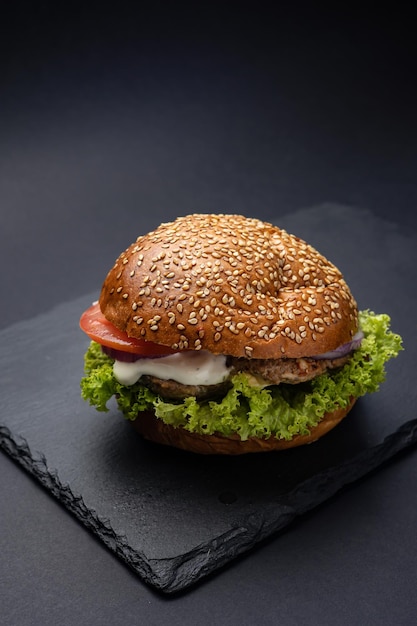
{"x":270,"y":371}
{"x":290,"y":371}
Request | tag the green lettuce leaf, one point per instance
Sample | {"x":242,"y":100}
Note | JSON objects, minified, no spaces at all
{"x":279,"y":410}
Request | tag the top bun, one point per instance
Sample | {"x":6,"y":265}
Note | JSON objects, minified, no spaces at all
{"x":231,"y":285}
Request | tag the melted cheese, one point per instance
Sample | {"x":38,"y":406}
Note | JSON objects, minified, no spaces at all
{"x":189,"y":368}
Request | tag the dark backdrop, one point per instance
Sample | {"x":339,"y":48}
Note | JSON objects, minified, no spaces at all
{"x":115,"y":118}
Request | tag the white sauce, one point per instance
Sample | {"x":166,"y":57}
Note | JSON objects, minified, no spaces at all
{"x":189,"y":368}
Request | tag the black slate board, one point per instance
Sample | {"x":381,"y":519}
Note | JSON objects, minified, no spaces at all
{"x":172,"y":516}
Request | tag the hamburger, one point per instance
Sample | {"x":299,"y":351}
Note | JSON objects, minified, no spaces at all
{"x":222,"y":334}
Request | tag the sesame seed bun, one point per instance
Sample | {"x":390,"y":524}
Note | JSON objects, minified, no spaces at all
{"x":231,"y":285}
{"x":154,"y":429}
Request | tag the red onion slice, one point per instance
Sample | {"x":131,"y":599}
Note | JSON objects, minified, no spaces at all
{"x":354,"y":344}
{"x":128,"y":357}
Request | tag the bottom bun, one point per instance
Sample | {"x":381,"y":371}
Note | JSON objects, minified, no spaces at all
{"x":154,"y":429}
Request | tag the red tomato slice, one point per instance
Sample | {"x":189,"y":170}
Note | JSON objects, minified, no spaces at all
{"x":99,"y":329}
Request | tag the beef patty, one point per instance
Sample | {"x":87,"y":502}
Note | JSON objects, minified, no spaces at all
{"x":266,"y":371}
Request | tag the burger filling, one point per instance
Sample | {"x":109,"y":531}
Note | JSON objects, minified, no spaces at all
{"x":203,"y":375}
{"x":250,"y":397}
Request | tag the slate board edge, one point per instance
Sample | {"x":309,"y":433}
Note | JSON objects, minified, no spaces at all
{"x":180,"y":572}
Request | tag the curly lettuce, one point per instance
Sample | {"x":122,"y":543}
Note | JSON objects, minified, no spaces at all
{"x":278,"y":410}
